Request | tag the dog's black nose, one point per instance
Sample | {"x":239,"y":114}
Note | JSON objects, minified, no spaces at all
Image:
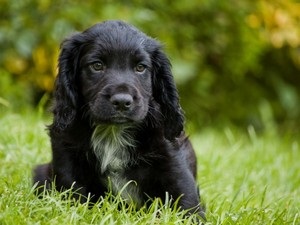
{"x":121,"y":102}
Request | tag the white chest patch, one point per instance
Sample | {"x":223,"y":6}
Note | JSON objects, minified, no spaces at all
{"x":112,"y":145}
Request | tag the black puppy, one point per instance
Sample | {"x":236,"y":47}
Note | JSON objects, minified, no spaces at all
{"x":117,"y":119}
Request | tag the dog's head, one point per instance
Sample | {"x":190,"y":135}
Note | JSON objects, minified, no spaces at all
{"x":114,"y":74}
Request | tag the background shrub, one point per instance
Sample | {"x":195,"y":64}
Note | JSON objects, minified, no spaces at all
{"x":234,"y":61}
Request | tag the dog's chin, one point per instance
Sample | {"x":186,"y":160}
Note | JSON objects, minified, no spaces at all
{"x":120,"y":120}
{"x":116,"y":120}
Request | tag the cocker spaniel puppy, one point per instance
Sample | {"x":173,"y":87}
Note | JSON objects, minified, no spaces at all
{"x":117,"y":119}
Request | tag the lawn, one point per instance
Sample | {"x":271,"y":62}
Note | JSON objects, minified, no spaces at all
{"x":245,"y":178}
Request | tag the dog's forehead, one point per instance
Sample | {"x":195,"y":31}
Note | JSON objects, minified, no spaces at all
{"x":116,"y":33}
{"x":117,"y":38}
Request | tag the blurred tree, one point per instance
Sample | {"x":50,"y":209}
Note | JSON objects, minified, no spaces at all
{"x":236,"y":61}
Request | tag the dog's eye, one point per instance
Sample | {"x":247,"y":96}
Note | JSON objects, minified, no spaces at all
{"x":97,"y":66}
{"x":140,"y":68}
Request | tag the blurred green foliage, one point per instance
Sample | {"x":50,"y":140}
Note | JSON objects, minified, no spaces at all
{"x":234,"y":61}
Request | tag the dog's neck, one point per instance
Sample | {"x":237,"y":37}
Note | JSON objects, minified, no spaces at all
{"x":111,"y":145}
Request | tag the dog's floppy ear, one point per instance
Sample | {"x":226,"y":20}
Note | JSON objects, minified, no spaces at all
{"x":66,"y":90}
{"x":165,"y":93}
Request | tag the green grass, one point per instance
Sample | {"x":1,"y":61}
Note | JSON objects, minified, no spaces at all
{"x":244,"y":179}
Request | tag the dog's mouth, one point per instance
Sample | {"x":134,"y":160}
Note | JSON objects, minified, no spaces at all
{"x":115,"y":119}
{"x":120,"y":120}
{"x":107,"y":115}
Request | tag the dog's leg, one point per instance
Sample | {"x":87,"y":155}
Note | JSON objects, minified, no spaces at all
{"x":42,"y":177}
